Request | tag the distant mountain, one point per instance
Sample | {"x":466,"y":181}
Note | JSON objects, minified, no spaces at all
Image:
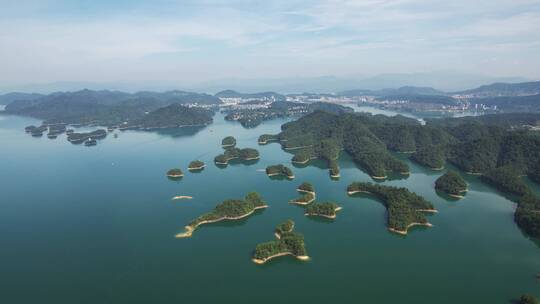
{"x":260,"y":95}
{"x":105,"y":107}
{"x":504,"y":89}
{"x":407,"y":90}
{"x":10,"y":97}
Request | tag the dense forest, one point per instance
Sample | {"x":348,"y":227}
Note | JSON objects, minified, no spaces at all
{"x":108,"y":108}
{"x":228,"y":141}
{"x":231,"y":153}
{"x":404,"y":208}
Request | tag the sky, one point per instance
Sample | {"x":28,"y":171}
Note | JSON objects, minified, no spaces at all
{"x":196,"y":41}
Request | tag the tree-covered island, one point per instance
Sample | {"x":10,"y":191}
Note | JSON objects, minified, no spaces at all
{"x":266,"y":138}
{"x":231,"y":209}
{"x":283,"y":228}
{"x":175,"y":173}
{"x":305,"y":199}
{"x":452,"y":184}
{"x":78,"y":138}
{"x":306,"y":187}
{"x":196,"y":165}
{"x":231,"y":153}
{"x":288,"y":242}
{"x":324,"y":209}
{"x":279,"y":170}
{"x":228,"y":141}
{"x":307,"y":192}
{"x":404,"y":208}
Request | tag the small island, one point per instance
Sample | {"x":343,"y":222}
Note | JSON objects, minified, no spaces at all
{"x":287,"y":243}
{"x":231,"y":153}
{"x":324,"y":209}
{"x":279,"y":170}
{"x":452,"y":184}
{"x":228,"y":142}
{"x":231,"y":209}
{"x":196,"y":165}
{"x":79,"y":138}
{"x":304,"y":199}
{"x":405,"y":209}
{"x":283,"y":228}
{"x":175,"y":173}
{"x":266,"y":138}
{"x":306,"y":187}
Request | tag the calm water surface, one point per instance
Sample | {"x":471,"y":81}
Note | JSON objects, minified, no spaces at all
{"x":97,"y":225}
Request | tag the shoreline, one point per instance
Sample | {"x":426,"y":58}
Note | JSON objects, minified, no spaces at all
{"x":197,"y":168}
{"x":276,"y":174}
{"x":332,"y":217}
{"x":301,"y":203}
{"x":182,"y":197}
{"x":305,"y":191}
{"x":262,"y":261}
{"x":428,"y":210}
{"x":190,"y":229}
{"x":404,"y":232}
{"x":175,"y":175}
{"x":379,"y":177}
{"x":358,"y":191}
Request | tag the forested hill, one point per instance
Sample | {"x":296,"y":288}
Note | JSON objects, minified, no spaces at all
{"x":504,"y":89}
{"x":11,"y":97}
{"x":102,"y":107}
{"x":473,"y":144}
{"x":174,"y":115}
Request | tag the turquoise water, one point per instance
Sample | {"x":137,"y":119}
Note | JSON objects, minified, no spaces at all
{"x":97,"y":225}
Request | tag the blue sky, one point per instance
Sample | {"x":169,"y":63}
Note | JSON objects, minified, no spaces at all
{"x":197,"y":41}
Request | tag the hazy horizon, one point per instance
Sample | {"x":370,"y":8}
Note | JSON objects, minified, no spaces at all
{"x":193,"y":44}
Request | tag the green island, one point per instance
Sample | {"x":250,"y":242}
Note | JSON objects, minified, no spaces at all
{"x":452,"y":184}
{"x":231,"y":209}
{"x":287,"y":243}
{"x":228,"y":141}
{"x":324,"y":209}
{"x":308,"y":194}
{"x":175,"y":173}
{"x":78,"y":138}
{"x":266,"y":138}
{"x":279,"y":170}
{"x":283,"y":228}
{"x":528,"y":299}
{"x":306,"y":187}
{"x":196,"y":165}
{"x":304,"y":199}
{"x":405,"y":209}
{"x":231,"y":153}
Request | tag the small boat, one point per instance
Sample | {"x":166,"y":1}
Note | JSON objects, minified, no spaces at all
{"x":90,"y":142}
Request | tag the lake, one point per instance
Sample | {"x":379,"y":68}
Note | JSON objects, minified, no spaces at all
{"x":97,"y":224}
